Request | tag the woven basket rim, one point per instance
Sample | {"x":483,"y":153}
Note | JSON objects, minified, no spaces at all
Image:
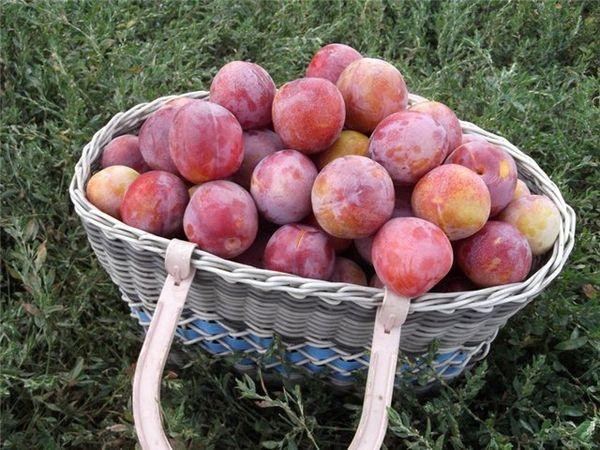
{"x":481,"y":300}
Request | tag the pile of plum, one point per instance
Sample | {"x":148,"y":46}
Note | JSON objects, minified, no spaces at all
{"x":332,"y":164}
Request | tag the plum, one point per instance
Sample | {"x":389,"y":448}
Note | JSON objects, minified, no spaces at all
{"x":106,"y":188}
{"x":521,"y":190}
{"x":124,"y":150}
{"x":496,"y":167}
{"x":445,"y":117}
{"x":281,"y":186}
{"x":301,"y":250}
{"x":408,"y":144}
{"x":497,"y":254}
{"x":155,"y":202}
{"x":339,"y":245}
{"x":454,"y":198}
{"x":330,"y":61}
{"x":347,"y":271}
{"x":205,"y":142}
{"x":247,"y":91}
{"x":363,"y":246}
{"x":537,"y":218}
{"x":257,"y":145}
{"x":221,"y":218}
{"x":154,"y":136}
{"x":372,"y":90}
{"x":352,"y":197}
{"x":376,"y":282}
{"x":308,"y":114}
{"x":349,"y":143}
{"x":411,"y":255}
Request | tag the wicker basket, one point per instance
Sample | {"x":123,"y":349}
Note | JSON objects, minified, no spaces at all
{"x":323,"y":326}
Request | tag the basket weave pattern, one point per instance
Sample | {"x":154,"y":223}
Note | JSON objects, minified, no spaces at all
{"x":237,"y":308}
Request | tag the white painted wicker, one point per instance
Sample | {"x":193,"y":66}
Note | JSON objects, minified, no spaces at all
{"x":250,"y":303}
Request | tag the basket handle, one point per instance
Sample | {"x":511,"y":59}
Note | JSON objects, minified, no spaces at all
{"x":151,"y":362}
{"x":382,"y":371}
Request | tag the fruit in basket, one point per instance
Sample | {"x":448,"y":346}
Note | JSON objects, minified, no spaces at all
{"x":347,"y":271}
{"x":363,"y":246}
{"x":496,"y":167}
{"x":408,"y":144}
{"x":521,"y":190}
{"x":247,"y":91}
{"x":349,"y":143}
{"x":154,"y":136}
{"x":454,"y":198}
{"x":281,"y":186}
{"x":454,"y":282}
{"x":411,"y":255}
{"x":300,"y":250}
{"x":352,"y":197}
{"x":339,"y":245}
{"x":471,"y":137}
{"x":445,"y":117}
{"x":308,"y":114}
{"x":221,"y":218}
{"x":124,"y":151}
{"x":205,"y":142}
{"x":372,"y":90}
{"x":376,"y":282}
{"x":537,"y":218}
{"x":257,"y":145}
{"x":497,"y":254}
{"x":106,"y":188}
{"x":330,"y":61}
{"x":254,"y":255}
{"x":155,"y":202}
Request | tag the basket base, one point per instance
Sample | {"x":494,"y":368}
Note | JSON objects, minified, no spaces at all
{"x":295,"y":361}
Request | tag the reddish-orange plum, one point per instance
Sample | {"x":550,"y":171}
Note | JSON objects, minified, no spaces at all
{"x":497,"y":254}
{"x":206,"y":142}
{"x":106,"y":188}
{"x":376,"y":282}
{"x":411,"y":255}
{"x":339,"y":245}
{"x":124,"y":151}
{"x":308,"y":114}
{"x":221,"y":218}
{"x":537,"y":218}
{"x":454,"y":198}
{"x":471,"y":137}
{"x":257,"y":145}
{"x":281,"y":186}
{"x":154,"y":136}
{"x":245,"y":89}
{"x":300,"y":250}
{"x":408,"y":144}
{"x":372,"y":90}
{"x":363,"y":247}
{"x":521,"y":190}
{"x":445,"y":117}
{"x":352,"y":197}
{"x":155,"y":202}
{"x":330,"y":61}
{"x":496,"y":167}
{"x":347,"y":271}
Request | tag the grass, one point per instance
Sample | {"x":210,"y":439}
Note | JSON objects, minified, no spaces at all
{"x":527,"y":70}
